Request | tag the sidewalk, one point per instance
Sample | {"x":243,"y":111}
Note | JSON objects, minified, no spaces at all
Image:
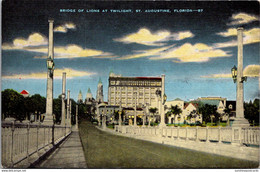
{"x":68,"y":155}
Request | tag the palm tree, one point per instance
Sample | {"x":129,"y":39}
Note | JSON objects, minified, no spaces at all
{"x":227,"y":112}
{"x":153,"y":111}
{"x":175,"y":110}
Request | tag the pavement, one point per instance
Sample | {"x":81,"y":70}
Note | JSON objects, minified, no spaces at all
{"x":228,"y":150}
{"x":68,"y":155}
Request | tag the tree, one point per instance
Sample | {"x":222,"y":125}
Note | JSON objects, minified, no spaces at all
{"x":252,"y":111}
{"x":175,"y":110}
{"x":209,"y":111}
{"x":57,"y":109}
{"x":227,"y":111}
{"x":13,"y":104}
{"x":82,"y":111}
{"x":153,"y":110}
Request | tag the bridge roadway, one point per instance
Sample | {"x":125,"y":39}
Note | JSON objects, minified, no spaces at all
{"x":68,"y":155}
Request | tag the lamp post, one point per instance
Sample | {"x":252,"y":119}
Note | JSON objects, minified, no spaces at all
{"x":237,"y":75}
{"x":104,"y":118}
{"x":144,"y":115}
{"x":50,"y":66}
{"x":119,"y":113}
{"x":135,"y":110}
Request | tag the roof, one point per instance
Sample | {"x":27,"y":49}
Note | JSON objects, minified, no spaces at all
{"x":210,"y":102}
{"x":177,"y":99}
{"x":135,"y":78}
{"x":89,"y":90}
{"x":24,"y":92}
{"x":100,"y":82}
{"x":194,"y":104}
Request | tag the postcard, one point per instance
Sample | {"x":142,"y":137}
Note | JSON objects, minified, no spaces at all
{"x":130,"y":84}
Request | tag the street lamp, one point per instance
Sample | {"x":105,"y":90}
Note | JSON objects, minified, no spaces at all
{"x":234,"y":73}
{"x":50,"y":63}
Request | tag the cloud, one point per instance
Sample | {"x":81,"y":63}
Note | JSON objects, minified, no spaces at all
{"x":145,"y":53}
{"x":183,"y":35}
{"x":146,"y":37}
{"x":70,"y":73}
{"x":64,"y":28}
{"x":242,"y":18}
{"x":38,"y":43}
{"x":249,"y":71}
{"x":35,"y":39}
{"x":192,"y":53}
{"x":249,"y":37}
{"x":72,"y":51}
{"x":252,"y":71}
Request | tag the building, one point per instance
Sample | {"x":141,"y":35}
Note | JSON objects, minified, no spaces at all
{"x":25,"y":93}
{"x":99,"y":96}
{"x":131,"y":91}
{"x":89,"y":97}
{"x":176,"y":102}
{"x":108,"y":111}
{"x":80,"y":97}
{"x":190,"y":113}
{"x":231,"y":105}
{"x":219,"y":102}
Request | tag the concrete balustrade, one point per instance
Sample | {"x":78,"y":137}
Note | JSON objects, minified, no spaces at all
{"x":243,"y":136}
{"x":25,"y":141}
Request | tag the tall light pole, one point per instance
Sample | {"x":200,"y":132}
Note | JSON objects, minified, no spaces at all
{"x":238,"y":77}
{"x":50,"y":65}
{"x":68,"y":109}
{"x":63,"y":112}
{"x":163,"y":100}
{"x":119,"y":113}
{"x":135,"y":110}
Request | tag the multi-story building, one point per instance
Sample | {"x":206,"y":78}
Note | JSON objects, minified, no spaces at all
{"x":131,"y":91}
{"x":99,"y":96}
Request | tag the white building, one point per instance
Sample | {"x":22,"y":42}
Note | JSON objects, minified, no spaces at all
{"x":99,"y":96}
{"x":131,"y":91}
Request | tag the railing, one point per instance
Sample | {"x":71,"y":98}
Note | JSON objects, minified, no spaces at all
{"x":242,"y":136}
{"x":20,"y":141}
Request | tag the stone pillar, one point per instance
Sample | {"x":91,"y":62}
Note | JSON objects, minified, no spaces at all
{"x":119,"y":113}
{"x":162,"y":124}
{"x":70,"y":114}
{"x":77,"y":109}
{"x":68,"y":108}
{"x":104,"y":118}
{"x":135,"y":113}
{"x":49,"y":97}
{"x":63,"y":109}
{"x":144,"y":117}
{"x":240,"y":121}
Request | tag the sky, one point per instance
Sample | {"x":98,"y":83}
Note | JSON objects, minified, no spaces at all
{"x":193,"y":43}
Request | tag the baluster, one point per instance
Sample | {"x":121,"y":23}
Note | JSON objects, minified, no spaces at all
{"x":38,"y":137}
{"x":219,"y":135}
{"x":197,"y":133}
{"x":12,"y":141}
{"x":28,"y":134}
{"x":207,"y":134}
{"x":178,"y":132}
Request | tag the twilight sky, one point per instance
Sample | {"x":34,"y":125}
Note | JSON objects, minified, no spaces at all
{"x":195,"y":48}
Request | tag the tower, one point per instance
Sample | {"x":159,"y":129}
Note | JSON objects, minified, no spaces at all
{"x":88,"y":96}
{"x":99,"y":96}
{"x":80,"y":97}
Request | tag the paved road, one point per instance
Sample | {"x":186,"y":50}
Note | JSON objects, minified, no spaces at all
{"x":105,"y":150}
{"x":68,"y":155}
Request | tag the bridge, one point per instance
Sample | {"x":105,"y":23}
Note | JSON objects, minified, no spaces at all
{"x":26,"y":145}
